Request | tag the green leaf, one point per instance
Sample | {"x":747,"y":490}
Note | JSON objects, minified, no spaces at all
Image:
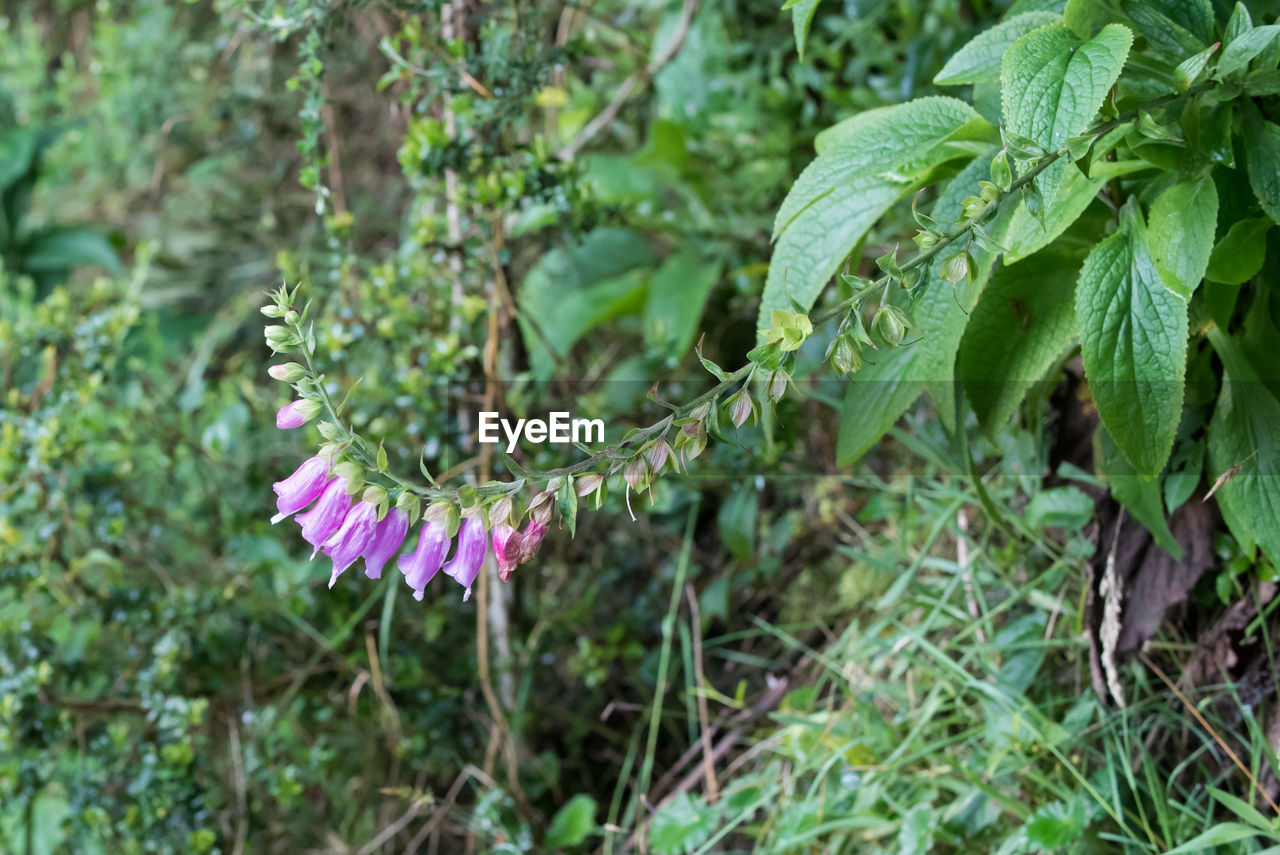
{"x":572,"y":823}
{"x":1177,"y":28}
{"x":1237,"y":55}
{"x":915,"y":836}
{"x":1262,"y":154}
{"x":682,"y":824}
{"x":1060,"y":507}
{"x":567,"y":502}
{"x":892,"y":379}
{"x":1238,"y":257}
{"x":801,"y":19}
{"x":673,"y":308}
{"x":57,"y":249}
{"x":1181,"y":229}
{"x":1244,"y":449}
{"x":862,"y":168}
{"x":1189,"y":70}
{"x":1141,"y":495}
{"x":1022,"y":325}
{"x":980,"y":59}
{"x":1055,"y":825}
{"x":1054,"y":84}
{"x":1219,"y":835}
{"x":1133,"y":339}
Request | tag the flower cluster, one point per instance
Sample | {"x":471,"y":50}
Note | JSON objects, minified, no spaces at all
{"x":322,"y":492}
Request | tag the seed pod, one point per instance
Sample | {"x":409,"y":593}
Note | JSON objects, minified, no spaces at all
{"x":778,"y":385}
{"x":634,"y":473}
{"x":956,"y":267}
{"x":741,"y":408}
{"x":588,"y":483}
{"x":656,"y":455}
{"x":891,"y":324}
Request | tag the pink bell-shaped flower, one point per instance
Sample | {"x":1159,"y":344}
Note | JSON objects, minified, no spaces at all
{"x":421,"y":565}
{"x":301,"y":488}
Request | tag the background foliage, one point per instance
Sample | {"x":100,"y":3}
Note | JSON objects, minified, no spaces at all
{"x":890,"y":644}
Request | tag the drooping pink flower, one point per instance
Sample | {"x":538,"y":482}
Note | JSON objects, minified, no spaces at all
{"x":385,"y":542}
{"x":422,"y":564}
{"x":301,"y":488}
{"x":345,"y":545}
{"x":506,"y":546}
{"x":296,"y":414}
{"x":473,"y":543}
{"x":319,"y":523}
{"x":529,"y":541}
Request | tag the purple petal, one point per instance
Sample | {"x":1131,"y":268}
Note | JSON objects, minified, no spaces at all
{"x":422,"y":564}
{"x":505,"y":549}
{"x":345,"y":545}
{"x":386,"y":541}
{"x":473,"y":542}
{"x":301,"y":488}
{"x":326,"y":517}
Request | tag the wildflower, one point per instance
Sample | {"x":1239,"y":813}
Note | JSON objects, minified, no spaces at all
{"x":530,"y":538}
{"x":473,"y":543}
{"x":301,"y":488}
{"x":296,"y":414}
{"x":385,"y":542}
{"x":422,"y":564}
{"x":346,"y":544}
{"x":326,"y":517}
{"x":506,"y":543}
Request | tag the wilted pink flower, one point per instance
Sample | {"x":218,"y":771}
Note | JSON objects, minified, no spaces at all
{"x":319,"y":523}
{"x":386,"y":540}
{"x":473,"y":543}
{"x":422,"y":564}
{"x":345,"y":545}
{"x":301,"y":488}
{"x":296,"y":414}
{"x":506,"y":544}
{"x":530,"y":539}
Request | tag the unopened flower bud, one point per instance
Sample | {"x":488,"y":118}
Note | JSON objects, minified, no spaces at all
{"x":541,"y":506}
{"x":845,"y":356}
{"x":272,"y":311}
{"x":297,"y":414}
{"x":291,"y":317}
{"x":287,"y":372}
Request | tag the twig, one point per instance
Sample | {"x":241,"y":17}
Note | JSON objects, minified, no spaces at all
{"x":1205,"y":724}
{"x":609,"y":113}
{"x":237,"y":765}
{"x":708,"y":764}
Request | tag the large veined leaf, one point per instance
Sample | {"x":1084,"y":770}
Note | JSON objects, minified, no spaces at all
{"x":870,"y":165}
{"x":673,"y":309}
{"x":1053,"y":84}
{"x":1178,"y":28}
{"x":1133,"y":339}
{"x":980,"y":59}
{"x":1181,"y":228}
{"x":893,"y":379}
{"x":1024,"y":322}
{"x":1262,"y":154}
{"x":1244,"y":447}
